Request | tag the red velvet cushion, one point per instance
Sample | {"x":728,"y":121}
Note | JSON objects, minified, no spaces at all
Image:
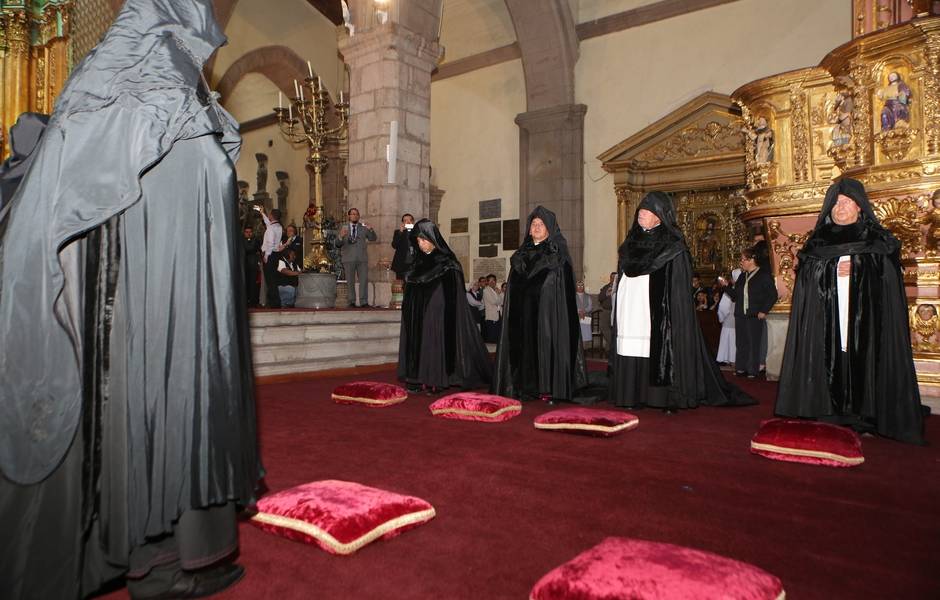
{"x":339,"y":516}
{"x":473,"y":406}
{"x":591,"y":421}
{"x":369,"y":393}
{"x":808,"y":442}
{"x":622,"y":568}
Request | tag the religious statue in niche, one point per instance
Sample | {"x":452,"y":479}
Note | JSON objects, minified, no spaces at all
{"x":283,"y":189}
{"x":262,"y":173}
{"x":708,"y":244}
{"x":896,"y":108}
{"x":763,"y":137}
{"x":839,"y":115}
{"x":925,"y":324}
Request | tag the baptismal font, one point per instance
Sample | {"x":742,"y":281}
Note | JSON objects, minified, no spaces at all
{"x":305,"y":120}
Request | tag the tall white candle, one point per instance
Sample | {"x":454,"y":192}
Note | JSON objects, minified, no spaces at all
{"x":280,"y":100}
{"x":301,"y":93}
{"x":296,"y":89}
{"x":319,"y":82}
{"x":310,"y":69}
{"x":290,"y":112}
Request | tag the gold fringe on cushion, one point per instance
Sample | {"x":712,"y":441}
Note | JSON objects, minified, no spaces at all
{"x":475,"y":413}
{"x":810,"y":453}
{"x":588,"y":427}
{"x":388,"y":402}
{"x":335,"y":545}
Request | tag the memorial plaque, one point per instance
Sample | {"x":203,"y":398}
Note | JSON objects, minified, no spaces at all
{"x":491,"y":209}
{"x":511,"y":234}
{"x":460,"y":245}
{"x":490,"y":233}
{"x":484,"y":266}
{"x":489,"y":251}
{"x":461,"y":225}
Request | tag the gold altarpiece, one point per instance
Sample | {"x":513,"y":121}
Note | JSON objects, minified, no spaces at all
{"x":871,"y":111}
{"x":34,"y":58}
{"x":697,"y":154}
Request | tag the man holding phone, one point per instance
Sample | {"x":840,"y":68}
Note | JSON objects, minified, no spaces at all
{"x":404,"y":253}
{"x":354,"y":254}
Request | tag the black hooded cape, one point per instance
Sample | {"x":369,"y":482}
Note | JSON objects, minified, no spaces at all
{"x":24,"y":137}
{"x":539,"y":349}
{"x":679,"y":358}
{"x":872,"y":386}
{"x":440,"y":344}
{"x":126,"y":380}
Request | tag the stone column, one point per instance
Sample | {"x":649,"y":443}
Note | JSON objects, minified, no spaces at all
{"x":551,"y":173}
{"x":390,"y":80}
{"x":434,"y":206}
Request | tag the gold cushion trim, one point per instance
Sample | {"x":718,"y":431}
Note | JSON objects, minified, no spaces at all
{"x":370,"y":400}
{"x":811,"y":453}
{"x":474,"y":413}
{"x":340,"y":548}
{"x":589,"y":427}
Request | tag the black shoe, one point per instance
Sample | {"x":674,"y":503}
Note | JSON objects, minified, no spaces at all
{"x":201,"y":583}
{"x":413,"y":388}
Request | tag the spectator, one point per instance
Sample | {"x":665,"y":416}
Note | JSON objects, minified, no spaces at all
{"x":475,"y":300}
{"x":606,"y":300}
{"x":289,"y":270}
{"x":269,"y":254}
{"x":404,"y":250}
{"x":754,"y":294}
{"x":492,"y":311}
{"x":252,"y":249}
{"x":726,"y":343}
{"x":584,"y":311}
{"x":354,"y":254}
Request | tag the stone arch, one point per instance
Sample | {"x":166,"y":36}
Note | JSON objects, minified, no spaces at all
{"x":280,"y":64}
{"x":548,"y":42}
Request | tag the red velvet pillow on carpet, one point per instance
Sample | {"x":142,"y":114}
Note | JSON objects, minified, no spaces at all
{"x":369,"y":393}
{"x":473,"y":406}
{"x":339,"y":516}
{"x":808,"y":442}
{"x":623,"y":568}
{"x":591,"y":421}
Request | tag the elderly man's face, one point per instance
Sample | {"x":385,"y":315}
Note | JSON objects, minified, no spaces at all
{"x":537,"y":230}
{"x":647,"y":219}
{"x":846,"y":211}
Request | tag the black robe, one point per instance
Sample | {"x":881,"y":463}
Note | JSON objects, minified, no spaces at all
{"x":679,"y":360}
{"x":126,"y":380}
{"x":539,"y":352}
{"x":440,"y":344}
{"x":872,"y":386}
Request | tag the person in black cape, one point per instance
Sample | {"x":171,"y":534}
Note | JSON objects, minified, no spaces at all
{"x":658,"y":356}
{"x":440,"y":344}
{"x":24,"y":137}
{"x":861,"y":375}
{"x":127,"y":410}
{"x":539,"y":354}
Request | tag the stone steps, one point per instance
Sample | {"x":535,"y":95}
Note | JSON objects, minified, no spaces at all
{"x":306,"y":341}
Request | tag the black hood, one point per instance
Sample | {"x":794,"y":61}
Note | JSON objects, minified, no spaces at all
{"x":553,"y":249}
{"x":643,"y":252}
{"x":433,"y":265}
{"x":865,"y":236}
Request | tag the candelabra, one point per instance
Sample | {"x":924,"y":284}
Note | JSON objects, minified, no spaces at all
{"x":305,"y":121}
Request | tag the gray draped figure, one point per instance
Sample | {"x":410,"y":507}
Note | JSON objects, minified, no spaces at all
{"x":127,"y":417}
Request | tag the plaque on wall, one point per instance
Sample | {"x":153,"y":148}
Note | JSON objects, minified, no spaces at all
{"x":461,"y":225}
{"x":460,"y":245}
{"x":484,"y":266}
{"x":489,"y":251}
{"x":490,"y":233}
{"x":491,"y":209}
{"x":511,"y":234}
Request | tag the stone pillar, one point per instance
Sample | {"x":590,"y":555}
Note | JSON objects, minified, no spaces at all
{"x":434,"y":206}
{"x":551,"y":172}
{"x":390,"y":80}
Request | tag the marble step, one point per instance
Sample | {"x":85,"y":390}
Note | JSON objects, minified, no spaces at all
{"x":322,"y":333}
{"x":309,"y":366}
{"x":265,"y":319}
{"x":361,"y":346}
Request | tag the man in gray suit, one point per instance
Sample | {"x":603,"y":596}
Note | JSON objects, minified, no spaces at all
{"x":353,"y":249}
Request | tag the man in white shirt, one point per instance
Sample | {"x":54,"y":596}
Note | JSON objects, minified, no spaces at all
{"x":270,"y":246}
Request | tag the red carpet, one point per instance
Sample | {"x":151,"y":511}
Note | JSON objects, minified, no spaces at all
{"x":513,"y":502}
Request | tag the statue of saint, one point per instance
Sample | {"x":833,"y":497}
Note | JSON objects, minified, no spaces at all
{"x":283,"y":189}
{"x":708,"y":244}
{"x":763,"y":137}
{"x":839,"y":114}
{"x":262,"y":172}
{"x":896,"y":96}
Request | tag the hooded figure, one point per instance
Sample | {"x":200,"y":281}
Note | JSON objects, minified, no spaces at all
{"x":127,"y":420}
{"x":848,"y":356}
{"x":440,"y":344}
{"x":539,"y":354}
{"x":24,"y":137}
{"x":659,"y":357}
